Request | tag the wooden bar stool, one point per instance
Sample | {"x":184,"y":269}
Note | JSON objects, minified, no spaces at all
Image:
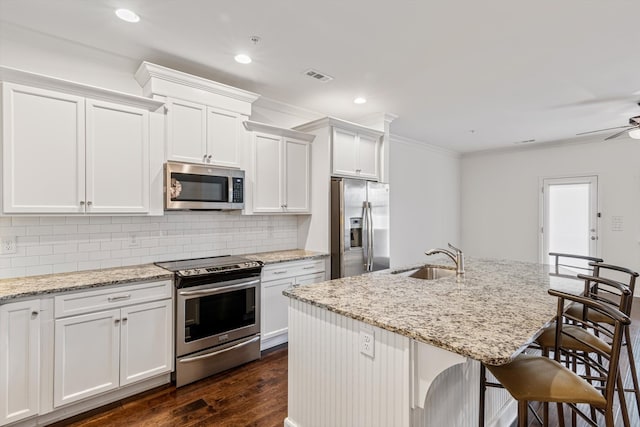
{"x":538,"y":378}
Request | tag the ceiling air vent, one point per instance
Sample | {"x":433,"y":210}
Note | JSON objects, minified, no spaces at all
{"x":317,"y":75}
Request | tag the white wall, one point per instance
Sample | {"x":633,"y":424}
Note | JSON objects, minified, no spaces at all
{"x":424,"y":186}
{"x":500,"y":197}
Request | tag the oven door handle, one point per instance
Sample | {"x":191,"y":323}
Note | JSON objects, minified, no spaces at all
{"x":216,"y":353}
{"x":218,"y":290}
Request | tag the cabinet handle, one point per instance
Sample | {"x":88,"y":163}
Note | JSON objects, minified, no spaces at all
{"x":209,"y":158}
{"x":358,"y":170}
{"x":119,"y":298}
{"x":279,"y":272}
{"x":117,"y":321}
{"x":285,"y":206}
{"x":89,"y":203}
{"x":81,"y":202}
{"x":124,"y":319}
{"x":34,"y":314}
{"x":309,"y":268}
{"x":204,"y":158}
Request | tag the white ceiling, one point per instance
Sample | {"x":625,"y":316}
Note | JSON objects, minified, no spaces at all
{"x":508,"y":70}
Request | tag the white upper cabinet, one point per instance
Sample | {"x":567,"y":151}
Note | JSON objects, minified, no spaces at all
{"x":346,"y":149}
{"x":186,"y":131}
{"x":204,"y":118}
{"x":281,"y":172}
{"x":65,"y":153}
{"x":355,"y":154}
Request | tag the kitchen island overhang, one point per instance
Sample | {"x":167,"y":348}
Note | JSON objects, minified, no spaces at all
{"x":428,"y":339}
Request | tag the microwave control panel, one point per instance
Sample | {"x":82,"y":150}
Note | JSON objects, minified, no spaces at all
{"x":238,"y":190}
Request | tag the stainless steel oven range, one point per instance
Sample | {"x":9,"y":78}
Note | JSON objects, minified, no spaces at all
{"x":217,"y":315}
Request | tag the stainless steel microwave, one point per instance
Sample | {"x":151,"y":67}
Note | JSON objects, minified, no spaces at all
{"x":189,"y":186}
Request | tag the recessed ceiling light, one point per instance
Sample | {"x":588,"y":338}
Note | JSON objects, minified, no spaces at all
{"x":242,"y":58}
{"x":360,"y":100}
{"x":127,"y":15}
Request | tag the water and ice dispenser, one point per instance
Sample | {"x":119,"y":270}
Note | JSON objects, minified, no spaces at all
{"x":355,"y":227}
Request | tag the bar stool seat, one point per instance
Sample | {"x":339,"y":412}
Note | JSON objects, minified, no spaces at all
{"x":577,"y":338}
{"x":540,"y":379}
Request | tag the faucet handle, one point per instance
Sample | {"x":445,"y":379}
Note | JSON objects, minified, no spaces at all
{"x":454,"y":248}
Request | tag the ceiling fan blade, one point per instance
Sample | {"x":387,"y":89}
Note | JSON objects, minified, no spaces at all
{"x":602,"y":130}
{"x":615,"y":135}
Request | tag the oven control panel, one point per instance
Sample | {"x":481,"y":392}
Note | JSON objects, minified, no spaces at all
{"x":238,"y":190}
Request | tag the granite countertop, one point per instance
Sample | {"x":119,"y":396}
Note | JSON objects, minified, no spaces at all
{"x":31,"y":286}
{"x":285,"y":256}
{"x":21,"y":287}
{"x":489,"y":315}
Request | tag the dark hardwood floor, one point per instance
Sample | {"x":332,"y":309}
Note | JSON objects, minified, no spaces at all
{"x":252,"y":395}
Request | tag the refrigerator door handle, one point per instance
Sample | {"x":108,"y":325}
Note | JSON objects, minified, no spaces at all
{"x":365,"y":234}
{"x":370,"y":231}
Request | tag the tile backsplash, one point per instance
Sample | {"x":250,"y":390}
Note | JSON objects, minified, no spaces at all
{"x":73,"y":243}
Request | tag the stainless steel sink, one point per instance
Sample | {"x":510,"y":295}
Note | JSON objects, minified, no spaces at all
{"x":430,"y":272}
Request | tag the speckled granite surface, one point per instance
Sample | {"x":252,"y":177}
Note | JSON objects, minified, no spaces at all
{"x":285,"y":256}
{"x":11,"y":289}
{"x":489,"y":315}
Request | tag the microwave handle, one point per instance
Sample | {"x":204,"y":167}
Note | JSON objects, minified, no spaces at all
{"x":230,"y":190}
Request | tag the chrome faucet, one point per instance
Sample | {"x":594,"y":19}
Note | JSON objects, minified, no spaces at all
{"x":458,"y":257}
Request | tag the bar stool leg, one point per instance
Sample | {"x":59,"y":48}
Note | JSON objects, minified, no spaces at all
{"x":560,"y":414}
{"x":623,"y":401}
{"x":523,"y":412}
{"x":632,"y":364}
{"x":483,"y":388}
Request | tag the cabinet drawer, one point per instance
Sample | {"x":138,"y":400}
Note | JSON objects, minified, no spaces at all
{"x":86,"y":302}
{"x":308,"y":279}
{"x":290,"y":269}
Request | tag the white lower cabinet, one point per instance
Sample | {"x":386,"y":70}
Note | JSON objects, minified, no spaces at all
{"x":274,"y":307}
{"x":19,"y":360}
{"x":102,"y":350}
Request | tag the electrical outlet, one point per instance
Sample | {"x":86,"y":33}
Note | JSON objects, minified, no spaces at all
{"x":367,"y":343}
{"x":8,"y":245}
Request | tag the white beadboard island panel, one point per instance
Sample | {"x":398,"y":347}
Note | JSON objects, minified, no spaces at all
{"x":331,"y":384}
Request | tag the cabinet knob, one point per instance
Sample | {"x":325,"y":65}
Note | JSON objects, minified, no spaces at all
{"x":117,"y":321}
{"x":81,"y":202}
{"x":358,"y":170}
{"x":124,"y":319}
{"x":204,"y":158}
{"x":209,"y":158}
{"x":34,"y":313}
{"x":89,"y":203}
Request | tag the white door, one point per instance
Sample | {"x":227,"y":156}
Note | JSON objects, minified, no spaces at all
{"x":267,"y":192}
{"x":367,"y":156}
{"x":186,"y":131}
{"x":146,"y":341}
{"x":569,"y":216}
{"x":296,"y":178}
{"x":87,"y":356}
{"x":223,"y":138}
{"x":345,"y":154}
{"x":117,"y":158}
{"x":19,"y":360}
{"x":43,"y":150}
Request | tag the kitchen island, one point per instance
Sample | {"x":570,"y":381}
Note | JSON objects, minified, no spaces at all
{"x":386,"y":349}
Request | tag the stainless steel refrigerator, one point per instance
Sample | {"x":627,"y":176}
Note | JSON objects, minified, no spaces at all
{"x":359,"y":227}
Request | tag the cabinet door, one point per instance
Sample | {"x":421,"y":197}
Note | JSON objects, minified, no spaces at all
{"x":344,"y":152}
{"x":146,"y":341}
{"x":19,"y":360}
{"x":186,"y":131}
{"x":223,"y":137}
{"x":296,"y":178}
{"x":117,"y":158}
{"x":43,"y":150}
{"x":267,"y":191}
{"x":368,"y":148}
{"x":87,"y":356}
{"x":275,"y":310}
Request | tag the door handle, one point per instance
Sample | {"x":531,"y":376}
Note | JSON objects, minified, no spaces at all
{"x":594,"y":237}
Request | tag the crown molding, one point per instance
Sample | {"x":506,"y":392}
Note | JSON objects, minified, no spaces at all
{"x":14,"y":75}
{"x":424,"y":145}
{"x":342,"y":124}
{"x":276,"y":130}
{"x":148,"y":71}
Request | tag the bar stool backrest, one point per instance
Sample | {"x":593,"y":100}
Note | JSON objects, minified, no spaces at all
{"x":609,"y":271}
{"x":603,"y":372}
{"x":573,"y":262}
